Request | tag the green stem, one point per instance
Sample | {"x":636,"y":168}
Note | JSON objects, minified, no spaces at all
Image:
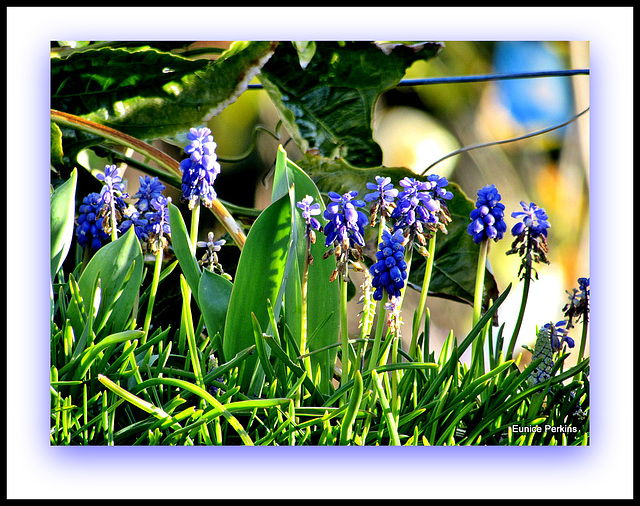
{"x":373,"y":359}
{"x":344,"y":330}
{"x":193,"y":231}
{"x":303,"y":307}
{"x":395,"y":401}
{"x":523,"y":305}
{"x":479,"y":289}
{"x":152,"y":295}
{"x":114,"y":228}
{"x":477,"y":348}
{"x":583,"y":341}
{"x":423,"y":298}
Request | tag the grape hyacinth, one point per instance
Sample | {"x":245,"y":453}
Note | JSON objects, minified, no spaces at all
{"x":549,"y":340}
{"x":200,"y":170}
{"x":345,"y":229}
{"x":421,"y":208}
{"x":158,"y":227}
{"x":89,"y":230}
{"x":578,"y":306}
{"x":210,"y":258}
{"x":390,"y":270}
{"x":113,"y":188}
{"x":150,"y":188}
{"x":487,"y":219}
{"x":558,"y":335}
{"x":133,"y":218}
{"x":382,"y":197}
{"x":112,"y":195}
{"x":530,"y":238}
{"x":309,"y":210}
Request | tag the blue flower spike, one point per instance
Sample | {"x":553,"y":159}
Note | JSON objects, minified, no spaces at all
{"x":421,"y":209}
{"x":113,"y":196}
{"x":530,"y":238}
{"x":344,"y":232}
{"x":158,"y":228}
{"x":578,"y":306}
{"x":309,"y":210}
{"x":210,"y":258}
{"x":382,"y":198}
{"x":390,"y":270}
{"x":487,"y":219}
{"x":150,"y":188}
{"x":89,"y":230}
{"x":201,"y":169}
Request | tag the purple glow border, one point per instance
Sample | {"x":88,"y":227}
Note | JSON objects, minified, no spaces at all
{"x":600,"y":470}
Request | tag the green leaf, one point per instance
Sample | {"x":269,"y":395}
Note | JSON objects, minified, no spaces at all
{"x":328,"y":105}
{"x":63,"y":202}
{"x":149,"y":94}
{"x":182,"y":248}
{"x":306,"y":49}
{"x":454,"y":268}
{"x":259,"y":278}
{"x":56,"y":145}
{"x":323,"y":296}
{"x":214,"y":293}
{"x":119,"y":266}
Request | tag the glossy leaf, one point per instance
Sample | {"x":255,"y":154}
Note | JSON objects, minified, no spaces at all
{"x":63,"y":202}
{"x":323,"y":296}
{"x":184,"y":253}
{"x":259,"y":278}
{"x":214,"y":293}
{"x":149,"y":94}
{"x":454,"y":267}
{"x":119,"y":265}
{"x":329,"y":105}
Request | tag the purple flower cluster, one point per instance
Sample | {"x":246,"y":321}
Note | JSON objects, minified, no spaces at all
{"x":578,"y":306}
{"x":89,"y":230}
{"x":534,"y":218}
{"x":382,"y":197}
{"x":344,"y":231}
{"x":149,"y":215}
{"x":309,"y":210}
{"x":210,"y":258}
{"x":530,"y":238}
{"x":487,"y":219}
{"x":113,"y":188}
{"x":558,"y":335}
{"x":346,"y":224}
{"x":390,"y":270}
{"x":420,"y":203}
{"x":200,"y":170}
{"x":94,"y":221}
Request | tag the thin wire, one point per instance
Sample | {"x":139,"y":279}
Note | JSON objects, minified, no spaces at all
{"x":504,"y":141}
{"x":479,"y":78}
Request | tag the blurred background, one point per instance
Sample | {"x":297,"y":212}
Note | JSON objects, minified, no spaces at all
{"x":418,"y":125}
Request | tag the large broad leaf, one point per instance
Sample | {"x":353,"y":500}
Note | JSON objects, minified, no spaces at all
{"x":119,"y":267}
{"x":259,"y":278}
{"x":454,"y":269}
{"x":149,"y":94}
{"x":329,"y":105}
{"x":323,"y":319}
{"x":63,"y":202}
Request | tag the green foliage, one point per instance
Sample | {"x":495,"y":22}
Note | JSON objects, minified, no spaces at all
{"x":222,"y":362}
{"x":456,"y":253}
{"x":63,"y":204}
{"x":148,"y":93}
{"x":329,"y":106}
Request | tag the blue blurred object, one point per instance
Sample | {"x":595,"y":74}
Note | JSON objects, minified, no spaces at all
{"x":534,"y":103}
